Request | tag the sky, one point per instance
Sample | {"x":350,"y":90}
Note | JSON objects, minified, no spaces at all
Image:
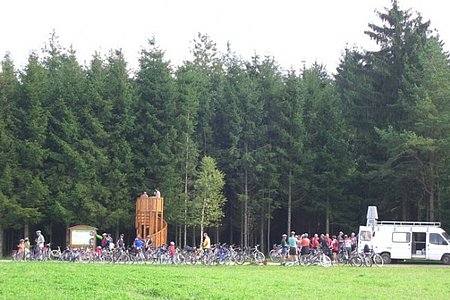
{"x":294,"y":32}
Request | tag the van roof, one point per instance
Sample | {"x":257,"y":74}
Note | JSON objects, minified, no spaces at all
{"x":409,"y":223}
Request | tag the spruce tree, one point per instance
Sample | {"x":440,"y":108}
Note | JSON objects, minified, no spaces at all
{"x":156,"y":140}
{"x":10,"y":209}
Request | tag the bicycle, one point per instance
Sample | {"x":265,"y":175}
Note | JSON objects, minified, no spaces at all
{"x":252,"y":255}
{"x":315,"y":257}
{"x":189,"y":255}
{"x":17,"y":256}
{"x":275,"y":253}
{"x":222,"y":255}
{"x":353,"y":258}
{"x":373,"y":258}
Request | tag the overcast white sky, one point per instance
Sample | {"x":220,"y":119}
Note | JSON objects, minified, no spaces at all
{"x":292,"y":31}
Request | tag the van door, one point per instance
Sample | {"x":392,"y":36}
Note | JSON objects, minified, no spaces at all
{"x":419,"y":244}
{"x":401,"y":245}
{"x":436,"y":246}
{"x":364,"y":237}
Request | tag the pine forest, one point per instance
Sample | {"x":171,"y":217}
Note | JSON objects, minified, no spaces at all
{"x":243,"y":149}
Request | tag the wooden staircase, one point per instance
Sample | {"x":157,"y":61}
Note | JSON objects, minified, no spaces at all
{"x":150,"y":219}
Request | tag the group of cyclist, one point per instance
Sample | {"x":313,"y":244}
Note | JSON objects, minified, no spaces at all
{"x":138,"y":244}
{"x":25,"y":249}
{"x":291,"y":246}
{"x":301,"y":244}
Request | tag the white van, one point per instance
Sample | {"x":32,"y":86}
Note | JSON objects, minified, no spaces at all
{"x":401,"y":240}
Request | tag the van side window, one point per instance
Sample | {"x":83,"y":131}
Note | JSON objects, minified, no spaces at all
{"x":437,"y":239}
{"x":365,"y":236}
{"x":401,"y":237}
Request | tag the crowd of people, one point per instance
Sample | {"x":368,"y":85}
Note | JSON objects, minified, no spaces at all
{"x":290,"y":247}
{"x":24,"y":248}
{"x":302,"y":244}
{"x":107,"y":242}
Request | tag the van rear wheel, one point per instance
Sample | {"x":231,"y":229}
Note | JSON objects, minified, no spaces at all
{"x":446,"y":259}
{"x":386,"y":257}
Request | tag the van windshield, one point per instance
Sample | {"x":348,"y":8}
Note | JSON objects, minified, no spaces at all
{"x":446,"y":236}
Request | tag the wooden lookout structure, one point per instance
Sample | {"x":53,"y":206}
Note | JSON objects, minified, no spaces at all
{"x":150,"y":219}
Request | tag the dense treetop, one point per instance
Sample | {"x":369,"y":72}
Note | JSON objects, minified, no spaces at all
{"x":298,"y":150}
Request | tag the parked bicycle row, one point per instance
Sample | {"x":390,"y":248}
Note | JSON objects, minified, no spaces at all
{"x":216,"y":255}
{"x":295,"y":250}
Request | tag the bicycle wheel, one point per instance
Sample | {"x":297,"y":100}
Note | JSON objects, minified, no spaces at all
{"x":227,"y":261}
{"x":341,"y":258}
{"x":259,"y":257}
{"x":305,"y":260}
{"x":274,"y":256}
{"x":65,"y":256}
{"x":367,"y":260}
{"x":190,"y":258}
{"x":108,"y":258}
{"x":356,"y":261}
{"x":377,"y":260}
{"x":55,"y":254}
{"x":85,"y":257}
{"x":325,"y":261}
{"x":239,"y":259}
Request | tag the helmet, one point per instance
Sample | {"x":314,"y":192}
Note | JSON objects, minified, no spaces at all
{"x":172,"y":243}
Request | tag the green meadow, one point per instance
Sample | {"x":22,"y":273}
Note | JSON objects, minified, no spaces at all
{"x":55,"y":280}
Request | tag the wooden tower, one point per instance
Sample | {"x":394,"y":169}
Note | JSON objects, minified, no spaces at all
{"x":150,"y":219}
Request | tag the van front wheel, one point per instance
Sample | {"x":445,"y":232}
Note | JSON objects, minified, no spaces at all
{"x":386,"y":258}
{"x":446,"y":259}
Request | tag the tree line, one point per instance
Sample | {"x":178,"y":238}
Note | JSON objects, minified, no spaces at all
{"x":241,"y":148}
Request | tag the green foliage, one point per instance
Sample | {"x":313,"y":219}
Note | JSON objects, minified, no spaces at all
{"x":209,"y":199}
{"x":157,"y":142}
{"x":394,"y":99}
{"x":78,"y":143}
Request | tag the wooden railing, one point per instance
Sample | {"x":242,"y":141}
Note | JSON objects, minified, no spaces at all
{"x":150,"y":219}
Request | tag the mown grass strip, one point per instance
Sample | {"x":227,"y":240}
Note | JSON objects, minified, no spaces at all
{"x":55,"y":280}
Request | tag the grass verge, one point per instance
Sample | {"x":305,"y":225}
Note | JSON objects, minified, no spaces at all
{"x":53,"y":280}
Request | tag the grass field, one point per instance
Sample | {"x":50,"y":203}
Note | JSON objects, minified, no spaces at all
{"x":54,"y":280}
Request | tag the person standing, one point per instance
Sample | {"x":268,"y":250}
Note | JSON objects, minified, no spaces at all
{"x":305,"y":244}
{"x":354,"y":240}
{"x":109,"y":242}
{"x":138,"y":244}
{"x":347,"y":245}
{"x":27,"y":247}
{"x":40,"y":241}
{"x":148,"y":243}
{"x":157,"y":193}
{"x":104,"y":242}
{"x":284,"y":249}
{"x":21,"y":249}
{"x":315,"y":242}
{"x":121,"y":242}
{"x":340,"y":239}
{"x":335,"y":247}
{"x":172,"y":252}
{"x":292,"y":248}
{"x":206,"y":244}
